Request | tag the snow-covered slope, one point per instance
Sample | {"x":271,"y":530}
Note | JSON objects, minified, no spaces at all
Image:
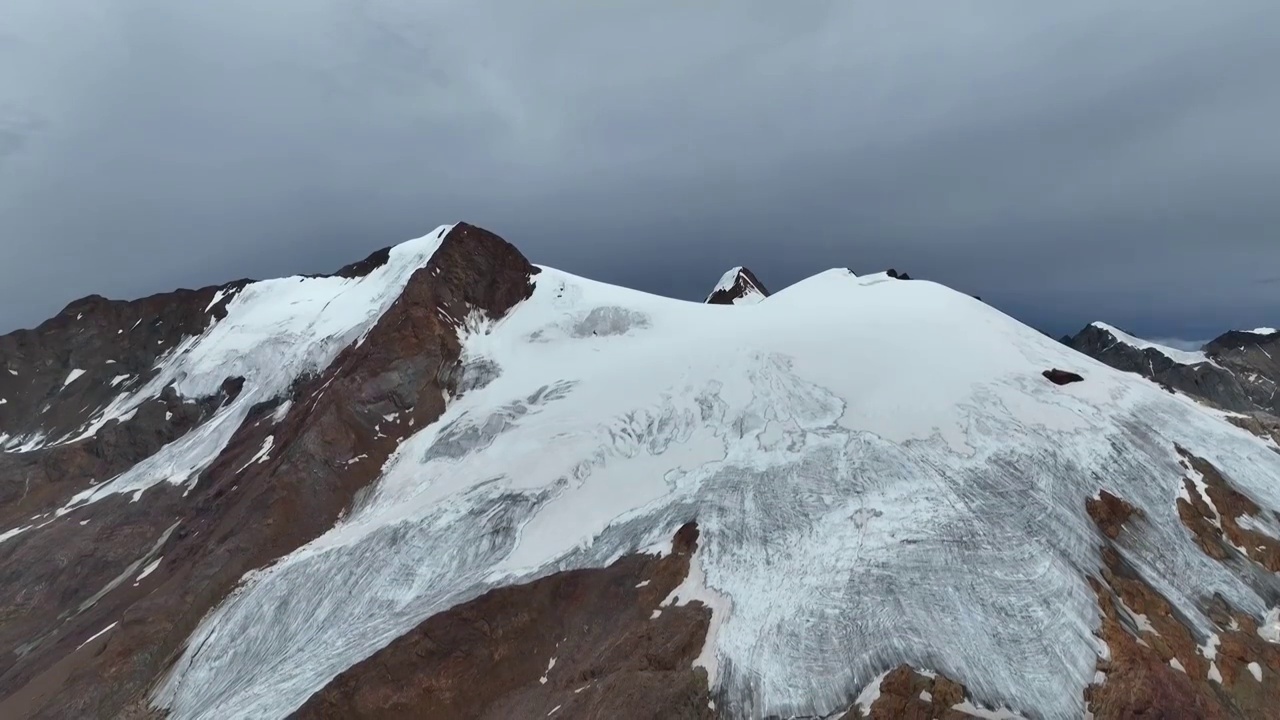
{"x":1184,"y":357}
{"x":880,"y":473}
{"x":275,"y":332}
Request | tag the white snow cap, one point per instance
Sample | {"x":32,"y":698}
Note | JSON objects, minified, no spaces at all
{"x":752,"y":293}
{"x":1182,"y":357}
{"x":1264,"y":331}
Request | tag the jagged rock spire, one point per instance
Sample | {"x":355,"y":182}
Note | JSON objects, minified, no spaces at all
{"x":739,"y":286}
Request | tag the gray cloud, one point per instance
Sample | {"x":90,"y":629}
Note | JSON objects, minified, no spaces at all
{"x":1066,"y":161}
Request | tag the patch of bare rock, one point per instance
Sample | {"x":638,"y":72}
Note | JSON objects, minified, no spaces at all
{"x":581,"y":644}
{"x":1154,"y":666}
{"x":1062,"y":377}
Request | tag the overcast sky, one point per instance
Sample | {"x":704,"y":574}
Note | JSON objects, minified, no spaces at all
{"x":1068,"y":161}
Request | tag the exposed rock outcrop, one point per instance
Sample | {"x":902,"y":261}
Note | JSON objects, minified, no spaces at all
{"x":1154,"y":665}
{"x":582,"y":644}
{"x":739,"y":286}
{"x":1062,"y":377}
{"x":907,"y":693}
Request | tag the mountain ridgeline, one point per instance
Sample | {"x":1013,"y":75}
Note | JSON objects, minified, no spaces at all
{"x":444,"y":482}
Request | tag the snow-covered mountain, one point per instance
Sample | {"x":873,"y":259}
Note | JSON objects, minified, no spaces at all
{"x":1237,"y":371}
{"x":738,"y":286}
{"x":447,"y":483}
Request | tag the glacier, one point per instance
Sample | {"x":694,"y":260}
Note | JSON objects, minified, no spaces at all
{"x":879,"y":472}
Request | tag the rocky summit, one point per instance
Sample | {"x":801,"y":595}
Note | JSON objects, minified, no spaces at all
{"x":738,"y":286}
{"x":444,"y":482}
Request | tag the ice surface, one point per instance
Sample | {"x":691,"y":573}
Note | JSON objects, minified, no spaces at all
{"x":1183,"y":357}
{"x":71,"y":377}
{"x":878,"y":469}
{"x":1269,"y":630}
{"x":275,"y":331}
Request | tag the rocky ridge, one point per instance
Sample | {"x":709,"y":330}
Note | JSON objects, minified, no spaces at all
{"x":328,"y":436}
{"x":1237,"y":371}
{"x":738,"y":286}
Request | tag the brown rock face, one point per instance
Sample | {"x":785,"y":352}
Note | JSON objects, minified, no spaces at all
{"x":909,"y":694}
{"x":53,"y":378}
{"x":1061,"y":377}
{"x":1216,"y":527}
{"x":1155,"y":666}
{"x":582,"y":644}
{"x":238,"y":516}
{"x":1139,"y":681}
{"x":1261,"y":424}
{"x":1109,"y":512}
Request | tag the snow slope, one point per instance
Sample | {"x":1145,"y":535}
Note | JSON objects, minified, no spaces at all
{"x":879,"y":472}
{"x":275,"y":331}
{"x":1183,"y":357}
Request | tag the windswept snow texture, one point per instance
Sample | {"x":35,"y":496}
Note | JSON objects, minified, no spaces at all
{"x":275,"y":331}
{"x":1182,"y":357}
{"x":879,"y":472}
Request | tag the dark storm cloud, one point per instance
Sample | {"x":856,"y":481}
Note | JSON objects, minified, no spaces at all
{"x":1066,"y":161}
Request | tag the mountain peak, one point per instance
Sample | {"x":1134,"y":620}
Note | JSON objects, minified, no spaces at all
{"x":738,"y":286}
